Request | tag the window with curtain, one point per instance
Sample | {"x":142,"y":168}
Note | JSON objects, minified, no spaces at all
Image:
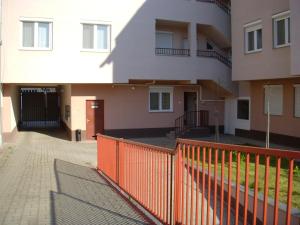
{"x":281,"y":29}
{"x":96,"y":37}
{"x":297,"y":100}
{"x":274,"y":98}
{"x":160,"y":99}
{"x":37,"y":35}
{"x":253,"y":37}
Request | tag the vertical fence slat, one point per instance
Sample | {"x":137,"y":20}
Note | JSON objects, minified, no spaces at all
{"x":237,"y":190}
{"x":255,"y":188}
{"x":208,"y":188}
{"x":290,"y":191}
{"x":266,"y":190}
{"x":183,"y":200}
{"x":222,"y":188}
{"x":215,"y":187}
{"x":187,"y":186}
{"x":229,"y":188}
{"x":192,"y":185}
{"x":203,"y":184}
{"x":197,"y":186}
{"x":246,"y":189}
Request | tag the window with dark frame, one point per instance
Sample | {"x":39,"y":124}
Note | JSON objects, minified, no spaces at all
{"x":243,"y":109}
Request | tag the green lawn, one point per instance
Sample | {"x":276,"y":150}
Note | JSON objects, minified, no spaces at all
{"x":272,"y":175}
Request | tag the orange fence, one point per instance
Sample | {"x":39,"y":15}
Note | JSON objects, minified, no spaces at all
{"x":212,"y":183}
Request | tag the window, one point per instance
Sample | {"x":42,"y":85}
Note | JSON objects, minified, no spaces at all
{"x":253,"y":37}
{"x":274,"y":96}
{"x":164,"y":39}
{"x":96,"y":37}
{"x":161,"y":99}
{"x":36,"y":35}
{"x":297,"y":100}
{"x":282,"y":36}
{"x":243,"y":109}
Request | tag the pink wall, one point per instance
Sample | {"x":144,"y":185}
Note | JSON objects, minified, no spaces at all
{"x":128,"y":109}
{"x":285,"y":124}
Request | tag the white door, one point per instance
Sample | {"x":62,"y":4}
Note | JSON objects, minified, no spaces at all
{"x":230,"y":116}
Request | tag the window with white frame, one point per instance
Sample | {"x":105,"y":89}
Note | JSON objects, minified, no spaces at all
{"x":282,"y":29}
{"x":160,"y":99}
{"x":297,"y":100}
{"x":96,"y":37}
{"x":36,"y":35}
{"x":164,"y":39}
{"x":253,"y":37}
{"x":274,"y":99}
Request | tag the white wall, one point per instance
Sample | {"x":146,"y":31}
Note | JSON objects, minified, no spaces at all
{"x":132,"y":40}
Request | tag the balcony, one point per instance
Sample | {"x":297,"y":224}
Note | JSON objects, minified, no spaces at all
{"x":214,"y":54}
{"x":171,"y":38}
{"x":224,"y":5}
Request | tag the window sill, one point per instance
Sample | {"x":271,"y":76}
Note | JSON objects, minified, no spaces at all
{"x":160,"y":111}
{"x":95,"y":51}
{"x":35,"y":49}
{"x":282,"y":46}
{"x":254,"y":51}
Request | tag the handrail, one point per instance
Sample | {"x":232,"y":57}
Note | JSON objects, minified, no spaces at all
{"x":216,"y":55}
{"x":225,"y":7}
{"x":172,"y":51}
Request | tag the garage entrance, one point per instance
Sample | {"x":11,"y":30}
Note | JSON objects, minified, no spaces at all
{"x":40,"y":108}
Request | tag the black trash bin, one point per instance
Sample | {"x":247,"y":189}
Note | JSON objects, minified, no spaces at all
{"x":78,"y":135}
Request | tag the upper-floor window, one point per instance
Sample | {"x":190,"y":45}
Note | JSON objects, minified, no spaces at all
{"x":36,"y":35}
{"x":161,"y":99}
{"x":253,"y":37}
{"x":297,"y":100}
{"x":96,"y":37}
{"x":282,"y":28}
{"x":274,"y":99}
{"x":164,"y":39}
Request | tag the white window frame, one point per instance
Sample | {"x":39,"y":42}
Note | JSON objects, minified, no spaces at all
{"x":281,"y":16}
{"x":282,"y":100}
{"x":36,"y":21}
{"x":164,"y":32}
{"x":95,"y":24}
{"x":296,"y":113}
{"x":160,"y":90}
{"x":254,"y":26}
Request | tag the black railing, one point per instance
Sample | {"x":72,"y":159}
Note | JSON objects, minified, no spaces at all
{"x":191,"y":119}
{"x":172,"y":51}
{"x":214,"y":54}
{"x":225,"y":7}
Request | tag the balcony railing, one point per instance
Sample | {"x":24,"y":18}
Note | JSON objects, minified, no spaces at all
{"x":203,"y":182}
{"x":214,"y":54}
{"x":225,"y":7}
{"x":172,"y":52}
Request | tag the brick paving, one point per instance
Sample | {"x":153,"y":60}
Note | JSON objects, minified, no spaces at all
{"x":48,"y":180}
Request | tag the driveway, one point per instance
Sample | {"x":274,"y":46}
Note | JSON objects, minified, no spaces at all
{"x":45,"y":179}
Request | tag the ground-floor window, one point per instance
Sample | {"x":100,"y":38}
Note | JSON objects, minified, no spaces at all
{"x":243,"y":109}
{"x":297,"y":100}
{"x":274,"y":98}
{"x":160,"y":99}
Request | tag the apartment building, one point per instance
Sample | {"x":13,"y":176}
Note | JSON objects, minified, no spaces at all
{"x":265,"y":53}
{"x":114,"y":67}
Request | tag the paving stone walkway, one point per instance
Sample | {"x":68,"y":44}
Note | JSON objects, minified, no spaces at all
{"x":47,"y":180}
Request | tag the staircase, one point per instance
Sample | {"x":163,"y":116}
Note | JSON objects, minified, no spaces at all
{"x":192,"y":124}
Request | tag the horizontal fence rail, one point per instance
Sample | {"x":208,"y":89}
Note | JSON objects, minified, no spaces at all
{"x":203,"y":182}
{"x":216,"y":55}
{"x":172,"y":51}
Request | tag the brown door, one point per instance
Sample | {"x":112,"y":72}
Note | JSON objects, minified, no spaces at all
{"x":94,"y":118}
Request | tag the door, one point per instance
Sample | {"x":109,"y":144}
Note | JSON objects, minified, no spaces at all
{"x":190,"y":108}
{"x":94,"y":118}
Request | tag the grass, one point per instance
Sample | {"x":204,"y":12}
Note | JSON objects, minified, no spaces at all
{"x":272,"y":174}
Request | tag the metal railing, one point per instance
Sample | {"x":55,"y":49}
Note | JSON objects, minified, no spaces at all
{"x":172,"y":52}
{"x":191,"y":119}
{"x":214,"y":54}
{"x":212,"y":183}
{"x":225,"y":7}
